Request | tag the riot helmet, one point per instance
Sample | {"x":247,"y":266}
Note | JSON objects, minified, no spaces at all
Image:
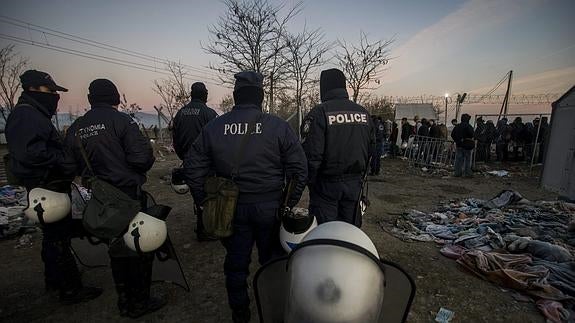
{"x":296,"y":224}
{"x":145,"y":233}
{"x":178,"y":182}
{"x":46,"y":206}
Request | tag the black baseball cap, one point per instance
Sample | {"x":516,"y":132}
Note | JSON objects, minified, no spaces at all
{"x":248,"y":79}
{"x":37,"y":78}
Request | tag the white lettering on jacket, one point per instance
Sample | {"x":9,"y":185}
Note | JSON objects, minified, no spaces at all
{"x":241,"y":128}
{"x":90,"y":131}
{"x":191,"y":112}
{"x":346,"y":117}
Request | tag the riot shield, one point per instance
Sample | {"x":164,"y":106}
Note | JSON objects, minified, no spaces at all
{"x":271,"y":288}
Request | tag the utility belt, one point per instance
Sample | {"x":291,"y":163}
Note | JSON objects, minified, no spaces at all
{"x":250,"y":198}
{"x":339,"y":178}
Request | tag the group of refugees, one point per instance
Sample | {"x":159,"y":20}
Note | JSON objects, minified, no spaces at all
{"x":259,"y":152}
{"x":423,"y":128}
{"x":517,"y":141}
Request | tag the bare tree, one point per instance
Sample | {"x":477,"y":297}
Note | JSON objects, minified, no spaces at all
{"x":174,"y":90}
{"x":285,"y":104}
{"x":305,"y":53}
{"x":378,"y":105}
{"x":363,"y":63}
{"x":12,"y":65}
{"x":129,"y":108}
{"x":249,"y":36}
{"x":227,"y":103}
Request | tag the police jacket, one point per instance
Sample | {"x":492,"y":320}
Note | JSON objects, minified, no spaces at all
{"x":37,"y":154}
{"x":271,"y":155}
{"x":188,"y":124}
{"x":338,"y":137}
{"x":116,"y":149}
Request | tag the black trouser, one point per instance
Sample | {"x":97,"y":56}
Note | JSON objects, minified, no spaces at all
{"x":132,"y":277}
{"x":132,"y":272}
{"x":501,"y":149}
{"x":336,"y":199}
{"x":60,"y":270}
{"x":253,"y":223}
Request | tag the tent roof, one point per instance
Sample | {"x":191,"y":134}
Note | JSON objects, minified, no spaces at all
{"x":410,"y":110}
{"x":566,"y":99}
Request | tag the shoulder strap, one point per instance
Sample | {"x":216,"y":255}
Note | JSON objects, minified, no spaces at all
{"x":84,"y":154}
{"x":243,"y":143}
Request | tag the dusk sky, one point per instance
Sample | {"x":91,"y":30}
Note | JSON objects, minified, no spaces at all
{"x":441,"y":46}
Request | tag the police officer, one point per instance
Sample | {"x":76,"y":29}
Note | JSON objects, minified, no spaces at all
{"x":120,"y":155}
{"x":271,"y":155}
{"x":338,"y":138}
{"x":188,"y":123}
{"x":39,"y":160}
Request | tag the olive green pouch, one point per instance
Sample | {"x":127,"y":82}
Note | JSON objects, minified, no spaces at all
{"x":219,"y":206}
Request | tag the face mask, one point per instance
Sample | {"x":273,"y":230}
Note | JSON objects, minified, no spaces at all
{"x":47,"y":100}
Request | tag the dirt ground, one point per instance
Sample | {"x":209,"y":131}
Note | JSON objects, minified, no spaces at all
{"x":440,"y":283}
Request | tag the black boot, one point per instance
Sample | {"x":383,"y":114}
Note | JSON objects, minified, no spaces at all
{"x":142,"y":308}
{"x":70,"y":284}
{"x":120,"y":272}
{"x":82,"y":294}
{"x":141,"y":303}
{"x":241,"y":315}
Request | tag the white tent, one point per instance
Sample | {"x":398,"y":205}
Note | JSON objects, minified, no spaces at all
{"x":559,"y":167}
{"x":409,"y":111}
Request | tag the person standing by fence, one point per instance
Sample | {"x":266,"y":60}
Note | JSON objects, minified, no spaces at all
{"x":462,"y":135}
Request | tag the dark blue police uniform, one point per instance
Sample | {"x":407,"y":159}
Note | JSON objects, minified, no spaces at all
{"x":338,"y":138}
{"x":38,"y":158}
{"x":271,"y":155}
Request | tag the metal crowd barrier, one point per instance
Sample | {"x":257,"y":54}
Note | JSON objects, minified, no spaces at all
{"x":430,"y":152}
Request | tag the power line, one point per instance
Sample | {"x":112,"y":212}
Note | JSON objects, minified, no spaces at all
{"x":27,"y":25}
{"x":101,"y":58}
{"x":493,"y":89}
{"x":97,"y":57}
{"x":101,"y":45}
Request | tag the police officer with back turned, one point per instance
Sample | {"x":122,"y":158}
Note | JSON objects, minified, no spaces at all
{"x":120,"y":155}
{"x":272,"y":155}
{"x":38,"y":159}
{"x":188,"y":123}
{"x":338,"y":138}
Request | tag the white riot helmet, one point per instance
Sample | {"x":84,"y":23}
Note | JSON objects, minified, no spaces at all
{"x":47,"y":206}
{"x":178,"y":183}
{"x":295,"y":226}
{"x":335,"y":276}
{"x":145,"y":233}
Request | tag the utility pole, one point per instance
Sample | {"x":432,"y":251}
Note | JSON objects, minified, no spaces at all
{"x":159,"y":120}
{"x":446,"y":96}
{"x":505,"y":105}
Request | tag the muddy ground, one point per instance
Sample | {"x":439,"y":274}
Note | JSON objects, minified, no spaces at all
{"x":440,"y":283}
